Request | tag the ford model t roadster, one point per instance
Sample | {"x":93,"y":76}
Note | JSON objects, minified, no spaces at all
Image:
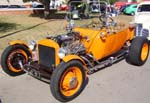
{"x":66,"y":60}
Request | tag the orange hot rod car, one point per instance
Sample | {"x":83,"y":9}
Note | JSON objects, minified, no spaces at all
{"x":67,"y":59}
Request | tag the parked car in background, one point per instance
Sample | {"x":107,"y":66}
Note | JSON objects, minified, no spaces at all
{"x":11,"y":6}
{"x":142,"y":18}
{"x":122,"y":8}
{"x":63,"y":7}
{"x":119,"y":4}
{"x":131,"y":9}
{"x":3,"y":6}
{"x":37,"y":5}
{"x":16,"y":6}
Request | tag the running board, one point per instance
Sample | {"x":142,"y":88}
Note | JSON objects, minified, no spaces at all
{"x":108,"y":62}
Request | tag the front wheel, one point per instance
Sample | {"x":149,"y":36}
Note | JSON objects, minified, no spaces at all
{"x":68,"y":81}
{"x":139,"y":51}
{"x":132,"y":13}
{"x":10,"y":59}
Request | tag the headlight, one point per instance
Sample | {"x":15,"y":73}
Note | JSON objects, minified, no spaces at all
{"x":62,"y":52}
{"x":32,"y":45}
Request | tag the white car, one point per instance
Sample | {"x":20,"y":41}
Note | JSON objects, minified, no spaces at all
{"x":142,"y":19}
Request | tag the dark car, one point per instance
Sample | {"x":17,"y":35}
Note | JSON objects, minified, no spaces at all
{"x":3,"y":6}
{"x":122,"y":8}
{"x":16,"y":6}
{"x":38,"y":6}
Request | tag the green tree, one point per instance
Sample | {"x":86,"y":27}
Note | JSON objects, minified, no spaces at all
{"x":111,"y":1}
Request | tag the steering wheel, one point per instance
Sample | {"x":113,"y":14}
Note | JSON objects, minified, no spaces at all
{"x":106,"y":20}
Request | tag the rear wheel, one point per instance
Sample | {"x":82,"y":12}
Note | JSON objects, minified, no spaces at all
{"x":67,"y":81}
{"x":139,"y":51}
{"x":10,"y":59}
{"x":132,"y":13}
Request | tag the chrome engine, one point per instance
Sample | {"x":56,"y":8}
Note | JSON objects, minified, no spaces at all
{"x":70,"y":43}
{"x":74,"y":47}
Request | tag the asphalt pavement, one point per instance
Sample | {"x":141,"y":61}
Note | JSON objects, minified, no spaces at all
{"x":119,"y":83}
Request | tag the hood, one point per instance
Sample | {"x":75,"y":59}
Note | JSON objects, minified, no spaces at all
{"x":143,"y":18}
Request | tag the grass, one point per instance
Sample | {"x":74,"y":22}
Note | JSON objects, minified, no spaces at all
{"x":25,"y":27}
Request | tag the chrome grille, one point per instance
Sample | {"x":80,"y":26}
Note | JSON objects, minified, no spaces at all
{"x":140,"y":31}
{"x":46,"y":56}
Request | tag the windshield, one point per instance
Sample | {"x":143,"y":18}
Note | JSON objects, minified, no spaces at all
{"x":144,"y":8}
{"x":81,"y":14}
